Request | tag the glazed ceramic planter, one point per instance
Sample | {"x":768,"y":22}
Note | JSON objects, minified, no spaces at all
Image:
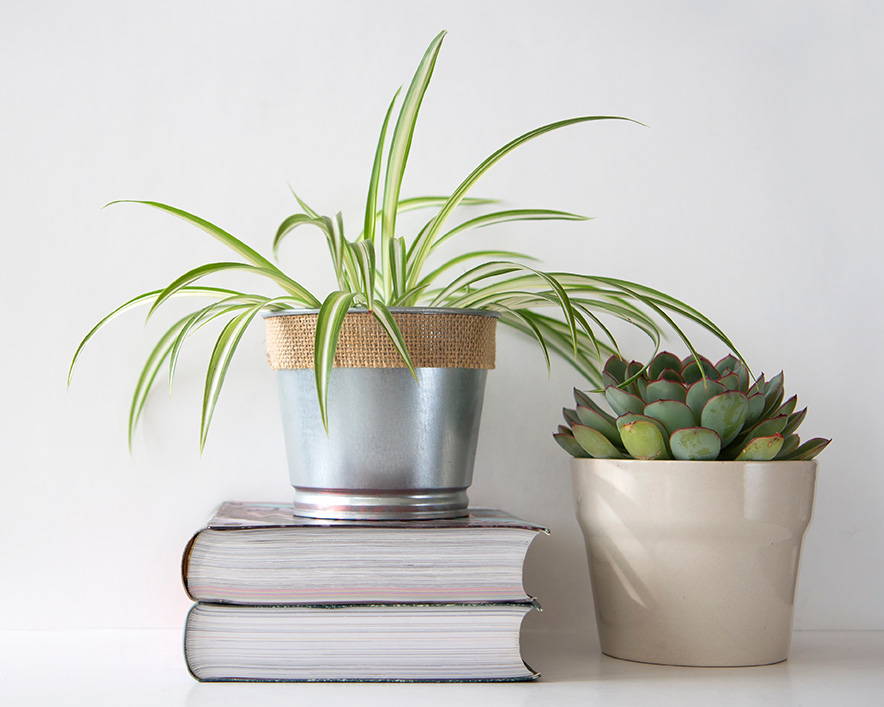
{"x":694,"y":563}
{"x":396,"y":448}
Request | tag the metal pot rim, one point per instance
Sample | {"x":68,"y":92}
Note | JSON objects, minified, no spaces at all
{"x":411,"y":310}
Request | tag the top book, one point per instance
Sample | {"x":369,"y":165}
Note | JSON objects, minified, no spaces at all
{"x":261,"y":554}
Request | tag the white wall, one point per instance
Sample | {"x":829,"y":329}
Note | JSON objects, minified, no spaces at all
{"x":754,"y":194}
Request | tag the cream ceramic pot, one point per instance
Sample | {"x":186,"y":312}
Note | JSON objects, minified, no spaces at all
{"x":694,"y":563}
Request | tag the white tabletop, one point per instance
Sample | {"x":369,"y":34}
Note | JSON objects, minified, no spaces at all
{"x":146,"y":667}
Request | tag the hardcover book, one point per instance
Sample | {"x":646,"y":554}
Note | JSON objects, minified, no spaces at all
{"x":260,"y":554}
{"x":400,"y":643}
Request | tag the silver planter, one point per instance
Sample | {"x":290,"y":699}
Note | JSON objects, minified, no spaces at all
{"x":396,"y":448}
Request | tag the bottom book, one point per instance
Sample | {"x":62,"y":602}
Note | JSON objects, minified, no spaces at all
{"x":384,"y":642}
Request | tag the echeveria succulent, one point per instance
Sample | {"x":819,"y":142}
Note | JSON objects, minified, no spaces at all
{"x":687,"y":409}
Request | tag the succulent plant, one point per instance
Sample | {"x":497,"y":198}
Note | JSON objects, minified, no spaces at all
{"x":688,"y":409}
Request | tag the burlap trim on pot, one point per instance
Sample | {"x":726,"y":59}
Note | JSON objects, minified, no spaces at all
{"x":434,"y":340}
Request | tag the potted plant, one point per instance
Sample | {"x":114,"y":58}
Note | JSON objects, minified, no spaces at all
{"x":693,"y":498}
{"x":382,"y":379}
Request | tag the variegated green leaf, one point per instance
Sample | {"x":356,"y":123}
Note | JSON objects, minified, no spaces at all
{"x":219,"y":362}
{"x":202,"y":271}
{"x":428,"y":236}
{"x":386,"y":320}
{"x":400,"y":146}
{"x":155,"y":360}
{"x":214,"y":292}
{"x":371,"y":203}
{"x":231,"y":242}
{"x":328,"y":329}
{"x":291,"y":223}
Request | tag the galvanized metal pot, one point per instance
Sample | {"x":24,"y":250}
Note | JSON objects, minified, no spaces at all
{"x":695,"y":562}
{"x":396,"y":448}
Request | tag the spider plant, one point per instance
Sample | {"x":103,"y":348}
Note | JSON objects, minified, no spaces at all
{"x":380,"y":269}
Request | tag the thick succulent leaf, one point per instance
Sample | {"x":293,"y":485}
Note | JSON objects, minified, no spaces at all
{"x":622,"y":402}
{"x":629,"y":418}
{"x":773,"y":395}
{"x":570,"y":416}
{"x":725,"y":413}
{"x":672,"y":414}
{"x":771,"y":426}
{"x":616,"y":368}
{"x":727,"y":364}
{"x":695,"y":444}
{"x":788,"y":407}
{"x":758,"y":386}
{"x":595,"y":443}
{"x":664,"y":361}
{"x":586,"y":401}
{"x":640,"y":387}
{"x":731,"y":381}
{"x":756,"y":407}
{"x":790,"y":444}
{"x":808,"y":450}
{"x":634,"y":369}
{"x":665,"y":390}
{"x":591,"y":418}
{"x":761,"y":449}
{"x":570,"y":445}
{"x":671,"y":375}
{"x":691,"y":372}
{"x":794,"y":422}
{"x":700,"y":393}
{"x":643,"y":440}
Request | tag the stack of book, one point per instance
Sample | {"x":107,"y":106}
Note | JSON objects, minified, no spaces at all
{"x":284,"y":598}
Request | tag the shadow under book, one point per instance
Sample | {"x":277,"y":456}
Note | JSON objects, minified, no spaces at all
{"x":281,"y":598}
